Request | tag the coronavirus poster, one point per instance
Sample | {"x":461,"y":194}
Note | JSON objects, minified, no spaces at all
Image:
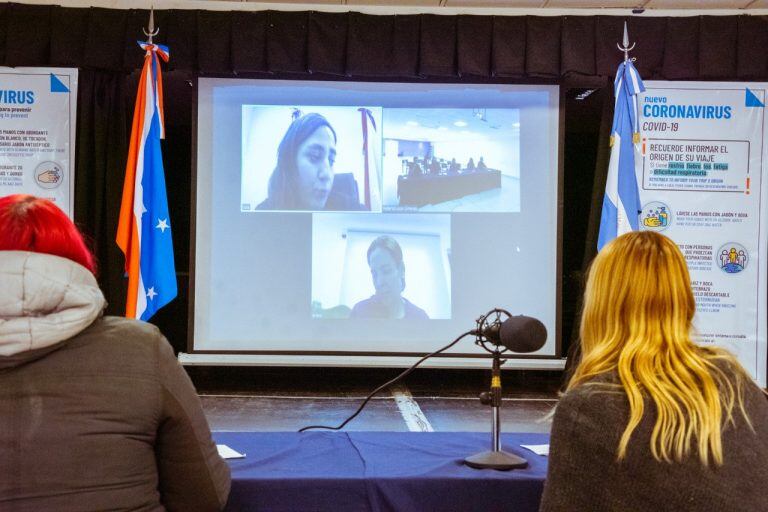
{"x":701,"y":183}
{"x":37,"y":133}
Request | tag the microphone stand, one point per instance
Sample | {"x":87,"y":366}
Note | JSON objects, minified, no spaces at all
{"x":496,"y":458}
{"x":487,"y":331}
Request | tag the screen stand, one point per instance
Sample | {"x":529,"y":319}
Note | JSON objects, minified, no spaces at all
{"x":496,"y":458}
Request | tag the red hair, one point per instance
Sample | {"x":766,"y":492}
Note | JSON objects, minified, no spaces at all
{"x":29,"y":223}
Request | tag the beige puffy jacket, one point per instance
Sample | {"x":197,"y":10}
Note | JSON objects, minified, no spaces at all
{"x":95,"y":412}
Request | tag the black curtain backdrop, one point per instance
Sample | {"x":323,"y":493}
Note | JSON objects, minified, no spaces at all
{"x":101,"y":149}
{"x":354,"y":45}
{"x":577,"y":52}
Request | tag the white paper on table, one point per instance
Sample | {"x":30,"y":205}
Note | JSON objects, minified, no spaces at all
{"x":228,"y":453}
{"x":538,"y":449}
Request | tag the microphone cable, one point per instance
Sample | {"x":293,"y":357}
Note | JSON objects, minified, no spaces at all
{"x":387,"y":384}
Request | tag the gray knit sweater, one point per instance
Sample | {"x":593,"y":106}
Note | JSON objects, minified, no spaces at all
{"x":584,"y":475}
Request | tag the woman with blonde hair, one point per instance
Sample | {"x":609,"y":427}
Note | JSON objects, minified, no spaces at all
{"x":650,"y":420}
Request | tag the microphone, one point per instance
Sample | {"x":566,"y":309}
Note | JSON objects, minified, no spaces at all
{"x":517,"y":334}
{"x":520,"y":333}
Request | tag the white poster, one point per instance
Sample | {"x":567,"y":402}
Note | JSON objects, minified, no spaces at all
{"x":701,"y":184}
{"x":37,"y":133}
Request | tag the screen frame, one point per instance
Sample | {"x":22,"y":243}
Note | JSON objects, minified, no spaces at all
{"x":480,"y":355}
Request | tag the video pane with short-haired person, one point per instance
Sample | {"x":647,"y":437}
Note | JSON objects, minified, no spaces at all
{"x":303,"y":158}
{"x":451,"y":160}
{"x":394,"y":267}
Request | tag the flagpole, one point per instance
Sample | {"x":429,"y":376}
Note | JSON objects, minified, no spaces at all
{"x":625,"y":47}
{"x":152,"y":31}
{"x":621,"y":202}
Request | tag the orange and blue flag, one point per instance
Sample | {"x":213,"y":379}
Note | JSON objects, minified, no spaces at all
{"x":144,"y":229}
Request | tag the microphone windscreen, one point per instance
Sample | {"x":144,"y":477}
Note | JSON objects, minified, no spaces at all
{"x":523,"y":334}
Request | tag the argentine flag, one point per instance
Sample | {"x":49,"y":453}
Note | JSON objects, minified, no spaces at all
{"x":144,"y":229}
{"x":621,"y":204}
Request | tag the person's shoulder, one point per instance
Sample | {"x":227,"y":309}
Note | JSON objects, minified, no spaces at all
{"x":344,"y":202}
{"x":414,"y":311}
{"x":122,"y":335}
{"x":354,"y":206}
{"x":118,"y":325}
{"x":602,"y":385}
{"x":115,"y":346}
{"x":734,"y":374}
{"x":365,"y":302}
{"x":597,"y":401}
{"x":362,"y":307}
{"x":344,"y":195}
{"x":266,"y":204}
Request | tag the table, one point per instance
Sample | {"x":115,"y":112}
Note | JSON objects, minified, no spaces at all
{"x":378,"y":471}
{"x":437,"y":188}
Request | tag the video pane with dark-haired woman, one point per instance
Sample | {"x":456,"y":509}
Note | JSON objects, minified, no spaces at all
{"x":304,"y":158}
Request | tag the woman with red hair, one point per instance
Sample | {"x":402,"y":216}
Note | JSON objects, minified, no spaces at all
{"x":95,"y":411}
{"x":37,"y":225}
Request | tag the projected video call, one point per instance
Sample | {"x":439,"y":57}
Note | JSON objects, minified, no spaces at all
{"x":371,"y":217}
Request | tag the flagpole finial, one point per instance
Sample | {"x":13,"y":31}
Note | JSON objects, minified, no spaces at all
{"x":625,"y":47}
{"x":151,"y":31}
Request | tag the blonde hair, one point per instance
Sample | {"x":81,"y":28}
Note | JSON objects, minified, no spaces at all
{"x":637,"y":322}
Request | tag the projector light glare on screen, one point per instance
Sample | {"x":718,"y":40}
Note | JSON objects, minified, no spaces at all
{"x":355,"y":218}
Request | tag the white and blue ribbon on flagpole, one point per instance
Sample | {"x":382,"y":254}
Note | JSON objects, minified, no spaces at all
{"x":621,"y":204}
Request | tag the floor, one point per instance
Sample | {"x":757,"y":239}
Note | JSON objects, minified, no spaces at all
{"x":289,"y":399}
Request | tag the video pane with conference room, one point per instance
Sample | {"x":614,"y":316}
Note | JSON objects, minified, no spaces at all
{"x":369,"y":219}
{"x":452,"y":160}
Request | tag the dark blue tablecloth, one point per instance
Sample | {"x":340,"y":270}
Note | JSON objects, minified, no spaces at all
{"x":378,"y":471}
